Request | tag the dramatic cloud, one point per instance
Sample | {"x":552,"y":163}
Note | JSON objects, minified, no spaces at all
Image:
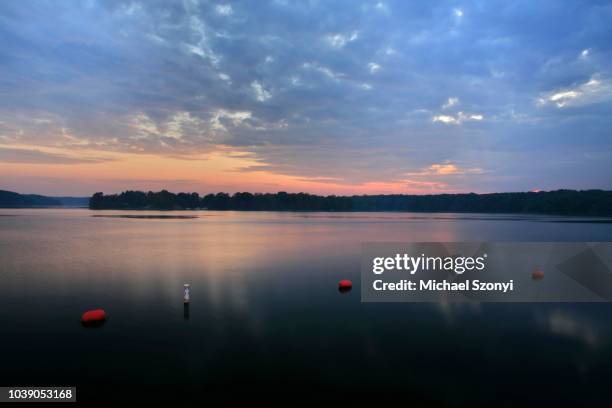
{"x":444,"y":169}
{"x":351,"y":95}
{"x":595,"y":90}
{"x":458,"y":119}
{"x":34,"y":156}
{"x":260,"y":93}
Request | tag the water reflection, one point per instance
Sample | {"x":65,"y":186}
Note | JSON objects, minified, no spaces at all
{"x":147,"y":217}
{"x":562,"y":323}
{"x":186,"y":311}
{"x":267,"y":308}
{"x":452,"y":311}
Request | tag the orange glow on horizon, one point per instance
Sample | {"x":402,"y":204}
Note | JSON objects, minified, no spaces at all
{"x":214,"y":172}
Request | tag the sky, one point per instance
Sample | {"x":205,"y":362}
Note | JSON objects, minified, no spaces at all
{"x":326,"y":97}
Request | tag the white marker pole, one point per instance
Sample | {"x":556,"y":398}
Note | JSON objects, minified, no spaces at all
{"x":186,"y":293}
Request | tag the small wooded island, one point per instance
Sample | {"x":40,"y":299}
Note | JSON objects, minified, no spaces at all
{"x":562,"y":202}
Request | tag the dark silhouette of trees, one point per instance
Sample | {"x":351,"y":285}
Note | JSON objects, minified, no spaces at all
{"x":570,"y":202}
{"x":9,"y":199}
{"x":563,"y":202}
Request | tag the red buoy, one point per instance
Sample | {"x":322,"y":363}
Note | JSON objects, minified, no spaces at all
{"x":345,"y":285}
{"x":537,"y":275}
{"x":93,"y":316}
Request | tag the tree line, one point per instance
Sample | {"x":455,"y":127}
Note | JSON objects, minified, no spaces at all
{"x":566,"y":202}
{"x":10,"y":199}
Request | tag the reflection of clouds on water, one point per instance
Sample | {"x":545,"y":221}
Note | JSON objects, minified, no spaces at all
{"x":147,"y":217}
{"x":239,"y":293}
{"x":450,"y":310}
{"x":563,"y":324}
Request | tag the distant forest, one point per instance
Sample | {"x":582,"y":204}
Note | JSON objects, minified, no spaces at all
{"x":9,"y":199}
{"x":566,"y":202}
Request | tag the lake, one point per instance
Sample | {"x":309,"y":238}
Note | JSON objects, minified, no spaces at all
{"x":266,"y":318}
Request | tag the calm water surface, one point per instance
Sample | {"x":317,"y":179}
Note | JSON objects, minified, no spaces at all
{"x":266,"y":316}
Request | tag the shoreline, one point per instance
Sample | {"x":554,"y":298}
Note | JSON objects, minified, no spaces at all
{"x":425,"y":215}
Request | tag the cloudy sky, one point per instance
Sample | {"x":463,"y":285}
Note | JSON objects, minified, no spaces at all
{"x":320,"y":96}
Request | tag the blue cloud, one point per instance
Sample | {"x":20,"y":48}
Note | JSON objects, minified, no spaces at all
{"x":354,"y":91}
